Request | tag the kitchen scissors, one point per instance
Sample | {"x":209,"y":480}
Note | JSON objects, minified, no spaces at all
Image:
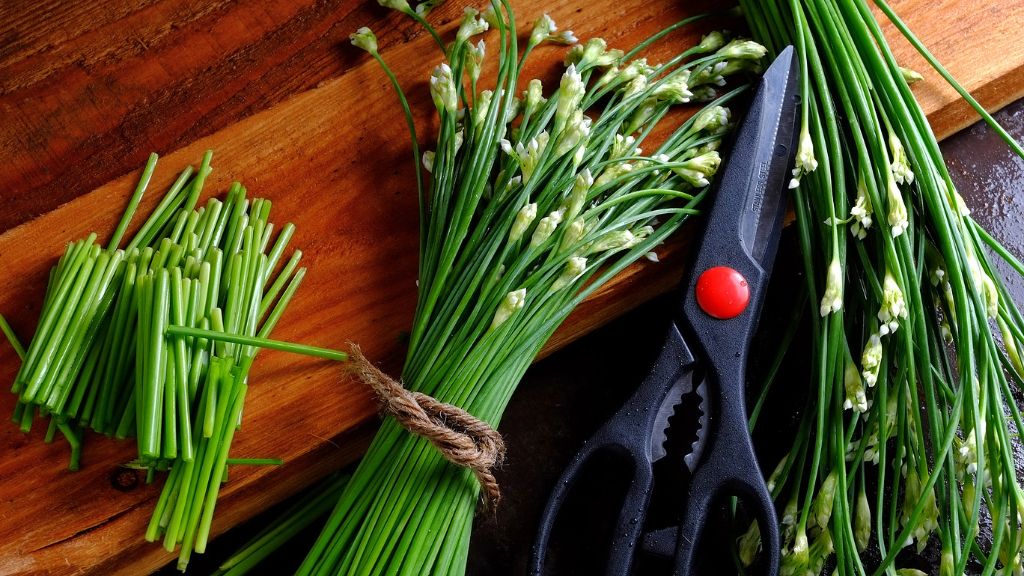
{"x":706,"y":352}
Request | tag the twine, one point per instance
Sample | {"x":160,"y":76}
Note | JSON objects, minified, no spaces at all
{"x":463,"y":439}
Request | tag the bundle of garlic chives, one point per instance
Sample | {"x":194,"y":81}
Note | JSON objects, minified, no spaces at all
{"x":534,"y":203}
{"x":105,"y":354}
{"x":909,"y":443}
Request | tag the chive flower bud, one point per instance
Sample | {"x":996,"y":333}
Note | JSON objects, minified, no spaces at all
{"x":544,"y":31}
{"x":674,"y":89}
{"x":399,"y":5}
{"x":634,"y":75}
{"x":471,"y":25}
{"x":574,"y":268}
{"x":984,"y":284}
{"x":614,"y":241}
{"x":711,"y":42}
{"x":575,"y":134}
{"x":529,"y":155}
{"x":570,"y":93}
{"x":524,"y":218}
{"x":928,"y":521}
{"x":623,"y":146}
{"x":861,"y":213}
{"x":822,"y":507}
{"x":545,"y":228}
{"x":593,"y":53}
{"x":910,"y":76}
{"x":712,"y":120}
{"x":743,"y":50}
{"x":805,"y":161}
{"x":898,"y":218}
{"x":424,"y":8}
{"x":893,"y":305}
{"x":703,"y":94}
{"x":612,"y":172}
{"x":856,"y":398}
{"x":871,"y":359}
{"x":774,"y":477}
{"x":542,"y":28}
{"x":573,"y":233}
{"x":533,"y":97}
{"x":900,"y":165}
{"x":480,"y":107}
{"x":513,"y":302}
{"x":442,"y":88}
{"x":862,"y":521}
{"x":832,"y":301}
{"x":967,"y":453}
{"x":428,"y":161}
{"x":709,"y":74}
{"x":475,"y":60}
{"x":578,"y":195}
{"x":364,"y":39}
{"x":749,"y":544}
{"x":698,"y":169}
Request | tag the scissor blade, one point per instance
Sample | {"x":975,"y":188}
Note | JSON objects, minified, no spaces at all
{"x":758,"y":167}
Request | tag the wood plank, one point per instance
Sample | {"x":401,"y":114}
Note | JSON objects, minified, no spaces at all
{"x":82,"y":103}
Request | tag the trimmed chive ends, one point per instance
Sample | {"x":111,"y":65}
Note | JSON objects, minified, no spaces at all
{"x":105,"y":355}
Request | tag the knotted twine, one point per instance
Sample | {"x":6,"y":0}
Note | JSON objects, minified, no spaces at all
{"x":463,"y":439}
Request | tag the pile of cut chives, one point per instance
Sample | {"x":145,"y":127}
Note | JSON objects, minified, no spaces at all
{"x":106,"y":354}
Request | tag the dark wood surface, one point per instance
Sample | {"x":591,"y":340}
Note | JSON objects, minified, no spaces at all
{"x":88,"y":89}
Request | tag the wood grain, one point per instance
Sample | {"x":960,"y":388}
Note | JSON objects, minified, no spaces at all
{"x":87,"y":89}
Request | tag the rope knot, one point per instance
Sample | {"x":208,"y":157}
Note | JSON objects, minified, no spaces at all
{"x":463,"y":439}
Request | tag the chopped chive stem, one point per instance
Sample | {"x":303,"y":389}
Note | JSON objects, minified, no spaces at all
{"x":12,"y":338}
{"x":74,"y":463}
{"x":282,"y":279}
{"x":258,"y":342}
{"x":147,"y":233}
{"x":133,"y":204}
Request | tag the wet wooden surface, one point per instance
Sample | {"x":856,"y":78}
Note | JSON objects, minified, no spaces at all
{"x":88,"y":89}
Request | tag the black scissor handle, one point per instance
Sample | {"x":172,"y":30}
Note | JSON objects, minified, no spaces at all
{"x":730,"y":469}
{"x":627,"y":434}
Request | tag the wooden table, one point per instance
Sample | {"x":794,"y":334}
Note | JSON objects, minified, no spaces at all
{"x":88,"y":89}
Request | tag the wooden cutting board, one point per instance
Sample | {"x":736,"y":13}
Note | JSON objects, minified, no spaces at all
{"x":87,"y":89}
